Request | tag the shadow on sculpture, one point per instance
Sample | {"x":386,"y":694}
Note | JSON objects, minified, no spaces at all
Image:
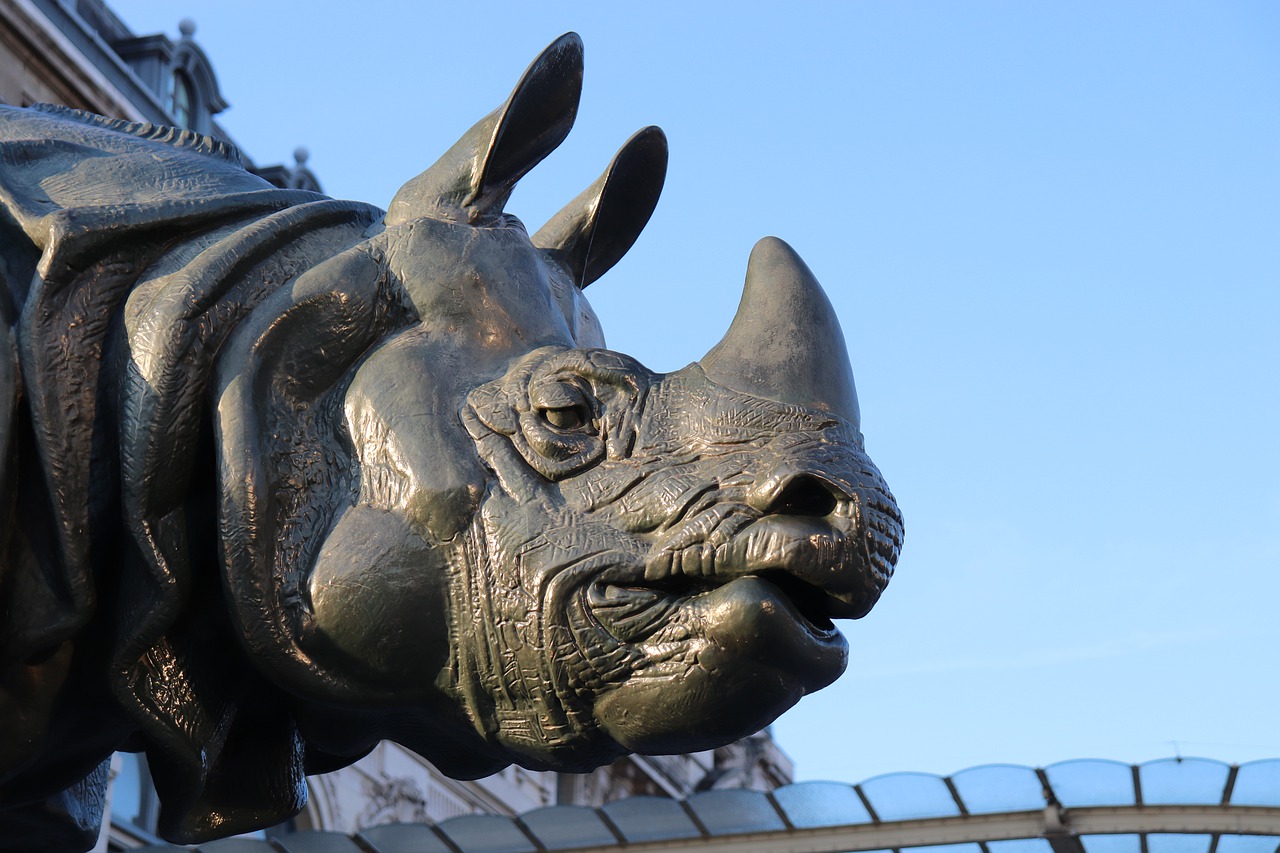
{"x":286,"y":476}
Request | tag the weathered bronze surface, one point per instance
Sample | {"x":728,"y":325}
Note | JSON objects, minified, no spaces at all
{"x":285,"y":476}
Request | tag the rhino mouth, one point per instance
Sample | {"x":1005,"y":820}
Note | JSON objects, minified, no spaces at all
{"x":635,"y":613}
{"x":806,"y":568}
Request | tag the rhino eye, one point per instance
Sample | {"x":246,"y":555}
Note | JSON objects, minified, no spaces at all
{"x":560,"y":429}
{"x":564,"y":406}
{"x":566,"y":417}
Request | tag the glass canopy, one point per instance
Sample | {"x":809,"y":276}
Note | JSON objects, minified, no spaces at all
{"x":1176,"y":805}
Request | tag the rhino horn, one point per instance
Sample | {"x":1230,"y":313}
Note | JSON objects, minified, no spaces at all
{"x":476,"y":176}
{"x":592,"y":232}
{"x":785,"y":342}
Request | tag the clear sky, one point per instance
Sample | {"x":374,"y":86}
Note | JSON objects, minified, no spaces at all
{"x":1050,"y":231}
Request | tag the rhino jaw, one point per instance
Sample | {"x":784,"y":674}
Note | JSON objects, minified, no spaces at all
{"x":726,"y":662}
{"x":722,"y":661}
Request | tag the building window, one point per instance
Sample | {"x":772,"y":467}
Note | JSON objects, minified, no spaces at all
{"x":182,"y":101}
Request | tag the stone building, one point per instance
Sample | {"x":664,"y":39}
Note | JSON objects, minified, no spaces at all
{"x":80,"y":54}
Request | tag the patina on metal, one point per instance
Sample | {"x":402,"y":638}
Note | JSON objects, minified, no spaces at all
{"x":286,"y":475}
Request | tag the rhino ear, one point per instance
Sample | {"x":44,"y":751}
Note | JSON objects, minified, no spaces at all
{"x":596,"y":229}
{"x":476,"y":176}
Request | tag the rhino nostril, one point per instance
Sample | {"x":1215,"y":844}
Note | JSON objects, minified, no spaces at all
{"x":804,"y":495}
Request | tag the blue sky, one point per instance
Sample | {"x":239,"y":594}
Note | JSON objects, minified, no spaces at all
{"x":1049,"y":230}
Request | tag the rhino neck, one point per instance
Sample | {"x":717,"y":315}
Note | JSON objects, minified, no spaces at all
{"x":518,"y":669}
{"x":412,"y":696}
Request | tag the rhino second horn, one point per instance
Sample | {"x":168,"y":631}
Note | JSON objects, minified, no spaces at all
{"x":785,"y":342}
{"x":475,"y":177}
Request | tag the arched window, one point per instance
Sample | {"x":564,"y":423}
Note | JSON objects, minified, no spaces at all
{"x":182,"y":100}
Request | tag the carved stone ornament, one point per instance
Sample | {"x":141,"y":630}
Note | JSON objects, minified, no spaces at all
{"x":285,"y":476}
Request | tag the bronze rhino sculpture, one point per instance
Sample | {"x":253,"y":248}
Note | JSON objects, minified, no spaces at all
{"x":287,"y":475}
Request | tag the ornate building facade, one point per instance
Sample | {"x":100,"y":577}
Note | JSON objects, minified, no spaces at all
{"x":80,"y":54}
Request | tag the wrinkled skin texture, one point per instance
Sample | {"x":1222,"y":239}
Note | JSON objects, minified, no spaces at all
{"x":338,"y":476}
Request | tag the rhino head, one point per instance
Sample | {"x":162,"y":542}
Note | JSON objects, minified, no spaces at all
{"x":452,"y":516}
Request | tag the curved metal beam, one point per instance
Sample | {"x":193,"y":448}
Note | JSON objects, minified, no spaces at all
{"x":1061,"y":827}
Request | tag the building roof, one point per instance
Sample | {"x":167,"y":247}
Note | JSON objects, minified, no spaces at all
{"x":1174,"y":805}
